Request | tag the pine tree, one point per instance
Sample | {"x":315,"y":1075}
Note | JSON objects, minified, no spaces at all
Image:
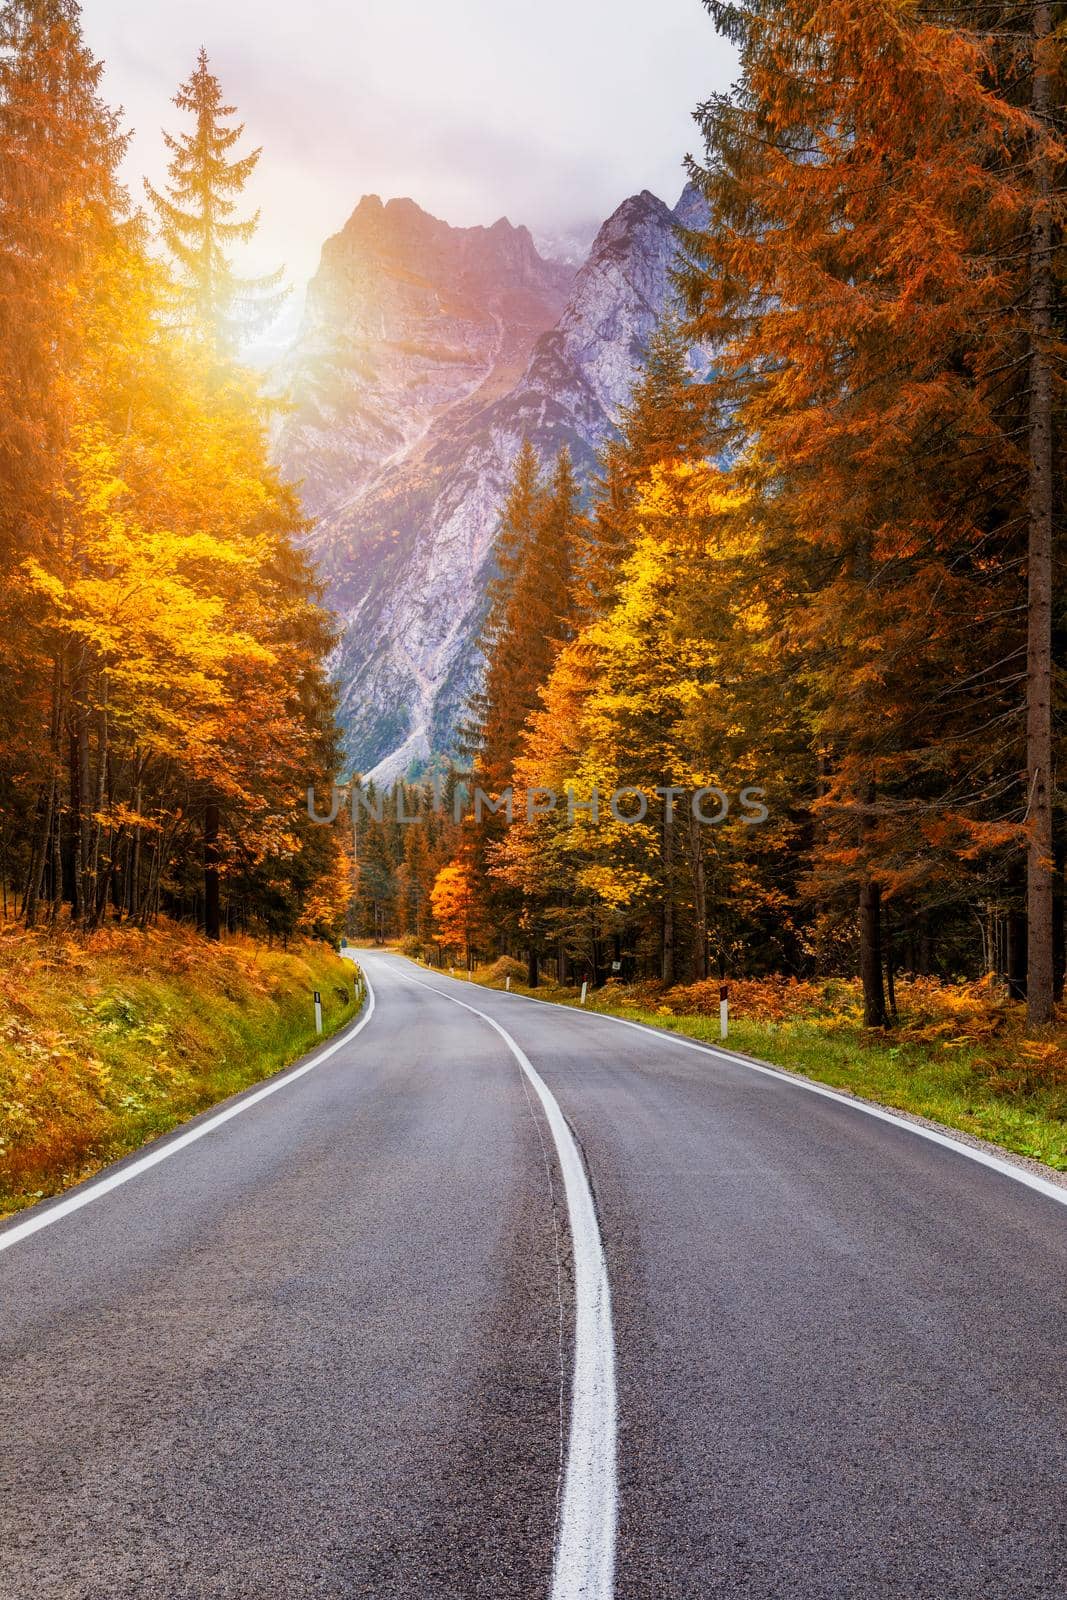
{"x":196,"y":217}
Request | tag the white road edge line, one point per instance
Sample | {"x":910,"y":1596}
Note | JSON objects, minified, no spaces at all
{"x":984,"y":1158}
{"x":584,"y":1567}
{"x":167,"y":1147}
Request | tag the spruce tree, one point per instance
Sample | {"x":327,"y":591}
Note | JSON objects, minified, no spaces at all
{"x":198,"y":227}
{"x":196,"y":217}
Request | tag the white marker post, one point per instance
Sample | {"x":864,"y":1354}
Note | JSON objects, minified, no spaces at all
{"x":318,"y":1012}
{"x":724,"y":1010}
{"x":507,"y":983}
{"x":585,"y":986}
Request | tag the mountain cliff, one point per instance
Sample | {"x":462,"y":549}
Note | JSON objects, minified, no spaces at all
{"x":427,"y":355}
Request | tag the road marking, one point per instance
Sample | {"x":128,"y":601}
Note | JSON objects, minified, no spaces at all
{"x":585,"y":1550}
{"x":95,"y":1190}
{"x":984,"y":1158}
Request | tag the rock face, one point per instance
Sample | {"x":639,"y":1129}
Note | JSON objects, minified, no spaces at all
{"x":428,"y":354}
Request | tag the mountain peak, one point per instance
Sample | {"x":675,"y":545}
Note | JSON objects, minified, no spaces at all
{"x":430,"y":353}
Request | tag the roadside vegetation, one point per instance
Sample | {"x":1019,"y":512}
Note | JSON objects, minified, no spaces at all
{"x":957,"y":1054}
{"x":110,"y":1039}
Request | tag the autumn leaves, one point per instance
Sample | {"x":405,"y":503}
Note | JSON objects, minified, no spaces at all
{"x":161,"y":642}
{"x":856,"y":604}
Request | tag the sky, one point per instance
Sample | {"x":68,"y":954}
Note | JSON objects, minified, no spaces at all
{"x":549,"y":113}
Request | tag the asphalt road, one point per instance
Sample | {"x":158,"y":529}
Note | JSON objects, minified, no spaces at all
{"x":357,"y":1340}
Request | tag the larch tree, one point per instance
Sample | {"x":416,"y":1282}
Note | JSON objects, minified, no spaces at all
{"x":532,"y":607}
{"x":60,"y":203}
{"x":862,"y":282}
{"x":169,"y":635}
{"x":1046,"y":221}
{"x":668,"y":418}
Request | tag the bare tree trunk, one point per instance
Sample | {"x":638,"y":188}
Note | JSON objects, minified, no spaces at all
{"x":82,"y":802}
{"x":94,"y":912}
{"x":1039,"y":984}
{"x":870,"y":909}
{"x":133,"y":894}
{"x":890,"y":968}
{"x":212,"y":910}
{"x":874,"y":1008}
{"x":1059,"y":953}
{"x":1015,"y":959}
{"x":48,"y":808}
{"x":667,"y":962}
{"x":700,"y":899}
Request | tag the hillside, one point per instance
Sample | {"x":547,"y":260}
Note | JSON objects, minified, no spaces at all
{"x":110,"y":1040}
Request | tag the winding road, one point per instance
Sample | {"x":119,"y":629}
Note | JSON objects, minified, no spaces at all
{"x":490,"y":1298}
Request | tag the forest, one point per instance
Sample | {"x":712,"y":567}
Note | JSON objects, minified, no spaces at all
{"x":828,"y":564}
{"x":820,"y":563}
{"x":164,"y":698}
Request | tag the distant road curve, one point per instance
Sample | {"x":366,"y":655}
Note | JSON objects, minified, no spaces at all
{"x":492,"y":1298}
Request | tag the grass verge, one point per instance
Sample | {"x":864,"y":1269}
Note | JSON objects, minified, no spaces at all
{"x":109,"y":1041}
{"x":954,"y":1058}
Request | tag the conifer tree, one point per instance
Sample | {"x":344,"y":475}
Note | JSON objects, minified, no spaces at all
{"x":198,"y":226}
{"x":668,"y":418}
{"x":196,"y":216}
{"x":863,"y":280}
{"x":491,"y":731}
{"x":60,"y":148}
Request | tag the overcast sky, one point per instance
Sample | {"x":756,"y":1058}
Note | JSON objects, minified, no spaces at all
{"x":549,"y":113}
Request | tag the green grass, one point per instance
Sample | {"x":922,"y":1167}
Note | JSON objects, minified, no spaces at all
{"x":984,"y":1089}
{"x":106,"y":1043}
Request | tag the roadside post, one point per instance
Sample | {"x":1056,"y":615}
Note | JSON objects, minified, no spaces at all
{"x":724,"y":1010}
{"x":585,"y":988}
{"x":318,"y":1012}
{"x":507,"y":983}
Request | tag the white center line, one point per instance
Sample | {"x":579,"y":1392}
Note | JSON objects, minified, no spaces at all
{"x":585,"y":1551}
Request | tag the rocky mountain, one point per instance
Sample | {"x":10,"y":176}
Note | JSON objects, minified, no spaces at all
{"x":427,"y":355}
{"x":571,"y":244}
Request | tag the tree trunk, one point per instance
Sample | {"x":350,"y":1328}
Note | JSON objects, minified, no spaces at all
{"x":874,"y":1011}
{"x":48,"y":807}
{"x":134,"y":886}
{"x":700,"y":900}
{"x":890,"y":969}
{"x":1015,"y":956}
{"x":666,"y":966}
{"x":1039,"y":983}
{"x":1059,"y":950}
{"x":533,"y":976}
{"x":212,"y":917}
{"x":86,"y":892}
